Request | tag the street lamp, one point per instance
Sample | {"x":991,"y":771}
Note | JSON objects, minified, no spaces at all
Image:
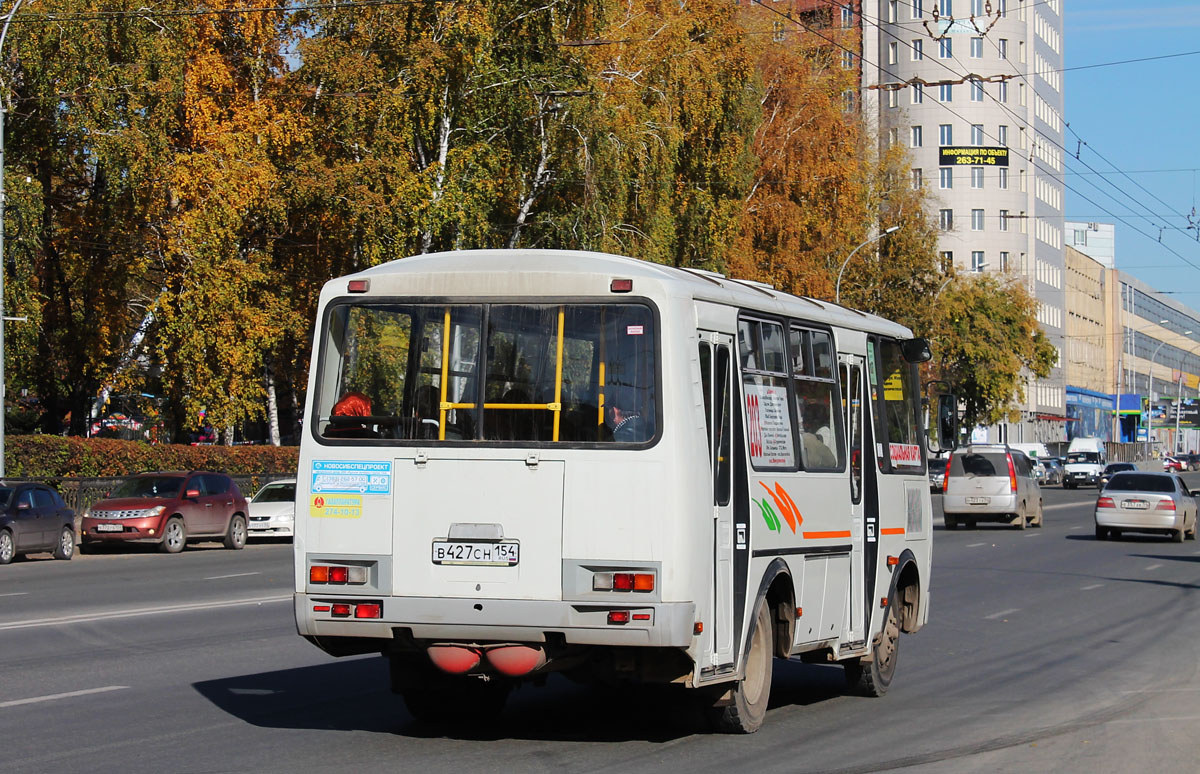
{"x":837,"y":291}
{"x":3,"y":109}
{"x":1150,"y":390}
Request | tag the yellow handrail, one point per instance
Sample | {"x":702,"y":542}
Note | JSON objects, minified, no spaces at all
{"x":558,"y":356}
{"x":445,"y":377}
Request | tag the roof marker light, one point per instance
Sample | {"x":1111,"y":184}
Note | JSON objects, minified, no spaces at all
{"x":620,"y":286}
{"x":358,"y":286}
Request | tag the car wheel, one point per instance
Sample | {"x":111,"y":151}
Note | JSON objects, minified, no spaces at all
{"x":951,"y":522}
{"x":174,"y":537}
{"x":1021,"y":520}
{"x":746,"y":713}
{"x":235,"y":536}
{"x":874,"y":678}
{"x":1101,"y":533}
{"x":65,"y":547}
{"x":1041,"y":515}
{"x":7,"y":548}
{"x":1177,"y":536}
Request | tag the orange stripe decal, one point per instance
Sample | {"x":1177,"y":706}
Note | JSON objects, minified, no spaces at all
{"x":822,"y":535}
{"x":892,"y":531}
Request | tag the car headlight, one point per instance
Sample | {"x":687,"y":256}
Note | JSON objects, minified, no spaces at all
{"x":155,"y":511}
{"x":287,"y":517}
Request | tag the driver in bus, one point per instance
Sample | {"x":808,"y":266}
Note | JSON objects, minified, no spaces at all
{"x":623,"y":418}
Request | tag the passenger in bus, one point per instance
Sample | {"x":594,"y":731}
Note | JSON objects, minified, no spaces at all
{"x":626,"y":421}
{"x":352,"y":404}
{"x":428,"y":412}
{"x":818,"y":453}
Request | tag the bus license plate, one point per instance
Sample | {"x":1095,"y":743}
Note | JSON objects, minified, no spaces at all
{"x":485,"y":554}
{"x":977,"y":500}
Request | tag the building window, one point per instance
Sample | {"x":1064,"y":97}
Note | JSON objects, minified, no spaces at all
{"x":946,"y":219}
{"x":1081,"y":237}
{"x":1004,"y":220}
{"x":946,"y":92}
{"x":778,"y":33}
{"x":893,"y":98}
{"x":945,"y":134}
{"x":848,"y":100}
{"x":893,"y":52}
{"x":977,"y":134}
{"x":977,"y":48}
{"x":946,"y":48}
{"x":1002,"y":134}
{"x":847,"y":60}
{"x":892,"y":10}
{"x":918,"y":50}
{"x":1002,"y":7}
{"x":847,"y":15}
{"x":947,"y":258}
{"x":918,"y":93}
{"x":916,"y":178}
{"x":1002,"y":91}
{"x":1002,"y":178}
{"x":1021,"y":91}
{"x":977,"y":177}
{"x":945,"y":177}
{"x":977,"y":7}
{"x":976,"y":90}
{"x":1021,"y":51}
{"x":1002,"y":47}
{"x":977,"y":261}
{"x":977,"y":220}
{"x":1003,"y":260}
{"x":893,"y":136}
{"x":946,"y":7}
{"x":918,"y":137}
{"x":917,"y":7}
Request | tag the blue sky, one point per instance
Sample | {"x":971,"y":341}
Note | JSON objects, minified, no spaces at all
{"x":1137,"y":117}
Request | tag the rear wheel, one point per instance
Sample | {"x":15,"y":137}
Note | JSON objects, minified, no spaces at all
{"x":1101,"y":533}
{"x":7,"y":548}
{"x":750,"y":694}
{"x":1041,"y":514}
{"x":951,"y":522}
{"x":174,"y":537}
{"x":1177,"y":536}
{"x":65,"y":547}
{"x":873,"y":678}
{"x":1021,"y":521}
{"x":235,"y":536}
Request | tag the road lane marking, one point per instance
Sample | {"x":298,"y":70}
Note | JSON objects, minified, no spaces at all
{"x":1033,"y":534}
{"x":56,"y":696}
{"x":1154,"y":566}
{"x":1093,"y":586}
{"x":15,"y":594}
{"x":136,"y":612}
{"x":975,"y":545}
{"x":1076,"y":527}
{"x":235,"y":575}
{"x":1060,"y":506}
{"x":1002,"y":613}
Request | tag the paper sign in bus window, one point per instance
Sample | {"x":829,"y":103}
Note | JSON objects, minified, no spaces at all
{"x":770,"y":425}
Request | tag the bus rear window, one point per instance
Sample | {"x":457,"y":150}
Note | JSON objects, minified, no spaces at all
{"x":524,"y":373}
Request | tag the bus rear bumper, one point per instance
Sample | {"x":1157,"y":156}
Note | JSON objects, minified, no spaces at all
{"x":657,"y":624}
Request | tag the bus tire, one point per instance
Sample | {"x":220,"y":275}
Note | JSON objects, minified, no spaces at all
{"x":951,"y":522}
{"x":874,"y":677}
{"x":745,"y":714}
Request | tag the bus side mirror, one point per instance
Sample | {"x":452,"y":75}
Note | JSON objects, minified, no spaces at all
{"x":947,"y":422}
{"x":916,"y":350}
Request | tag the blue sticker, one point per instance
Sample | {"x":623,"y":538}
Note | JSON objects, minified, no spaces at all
{"x":343,"y":477}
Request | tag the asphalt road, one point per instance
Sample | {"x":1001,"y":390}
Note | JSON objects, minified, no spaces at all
{"x":1046,"y":651}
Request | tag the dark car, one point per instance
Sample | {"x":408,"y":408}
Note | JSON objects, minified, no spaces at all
{"x":169,"y":509}
{"x":1112,"y":468}
{"x":34,"y":518}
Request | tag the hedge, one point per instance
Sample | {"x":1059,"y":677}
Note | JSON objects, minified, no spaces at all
{"x":32,"y":456}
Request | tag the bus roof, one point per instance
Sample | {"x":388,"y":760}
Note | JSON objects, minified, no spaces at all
{"x":578,"y":272}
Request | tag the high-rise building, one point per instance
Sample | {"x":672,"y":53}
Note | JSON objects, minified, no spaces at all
{"x":974,"y":89}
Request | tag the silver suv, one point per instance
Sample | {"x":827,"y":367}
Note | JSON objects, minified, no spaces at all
{"x":991,"y":482}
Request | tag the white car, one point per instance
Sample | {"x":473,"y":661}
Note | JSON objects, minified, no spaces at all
{"x":273,"y":509}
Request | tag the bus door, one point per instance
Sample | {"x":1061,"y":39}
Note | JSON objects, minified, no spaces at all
{"x":850,"y":374}
{"x":716,"y":375}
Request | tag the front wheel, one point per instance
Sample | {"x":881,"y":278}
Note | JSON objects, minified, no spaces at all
{"x":235,"y":536}
{"x":174,"y":537}
{"x":65,"y":547}
{"x":873,"y":678}
{"x":745,"y":714}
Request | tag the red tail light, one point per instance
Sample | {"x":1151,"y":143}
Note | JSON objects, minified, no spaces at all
{"x":618,"y":616}
{"x":623,"y":581}
{"x":339,"y":574}
{"x":341,"y":610}
{"x":1165,"y":505}
{"x":368,"y":610}
{"x":1105,"y":502}
{"x":946,"y":476}
{"x":1012,"y":474}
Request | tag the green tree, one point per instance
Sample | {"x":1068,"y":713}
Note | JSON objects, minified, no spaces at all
{"x":987,"y":343}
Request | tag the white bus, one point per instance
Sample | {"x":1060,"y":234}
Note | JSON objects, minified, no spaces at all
{"x":519,"y":462}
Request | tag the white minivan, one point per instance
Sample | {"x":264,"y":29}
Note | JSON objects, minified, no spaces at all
{"x":991,"y":482}
{"x":1085,"y":462}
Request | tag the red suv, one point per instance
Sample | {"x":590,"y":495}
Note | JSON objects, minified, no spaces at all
{"x":168,"y":509}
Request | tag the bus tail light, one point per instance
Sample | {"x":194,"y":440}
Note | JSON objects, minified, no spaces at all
{"x":368,"y":610}
{"x":341,"y":609}
{"x":337,"y":573}
{"x":618,"y":616}
{"x":623,"y":581}
{"x":946,"y":477}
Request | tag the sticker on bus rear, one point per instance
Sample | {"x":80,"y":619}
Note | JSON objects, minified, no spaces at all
{"x":335,"y":506}
{"x":347,"y":477}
